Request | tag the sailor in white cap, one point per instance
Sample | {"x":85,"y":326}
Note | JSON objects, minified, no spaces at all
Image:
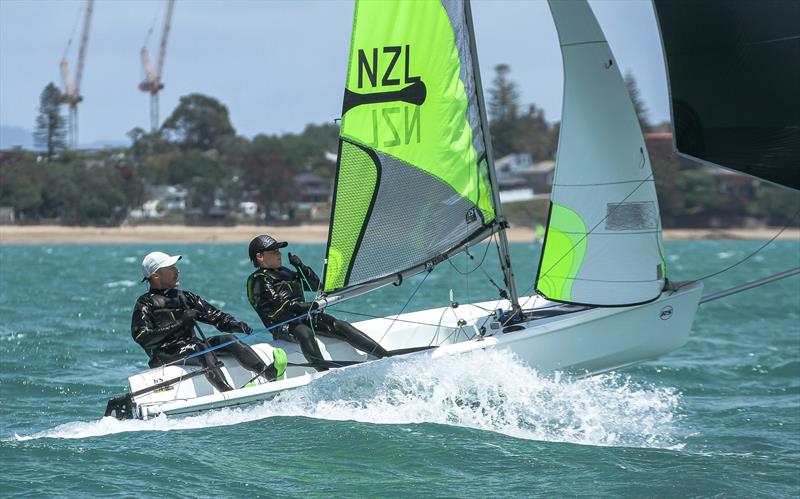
{"x":164,"y":321}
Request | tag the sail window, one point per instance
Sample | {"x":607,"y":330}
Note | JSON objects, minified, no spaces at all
{"x":632,"y":216}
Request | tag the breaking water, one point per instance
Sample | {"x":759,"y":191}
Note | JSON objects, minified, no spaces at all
{"x":720,"y":416}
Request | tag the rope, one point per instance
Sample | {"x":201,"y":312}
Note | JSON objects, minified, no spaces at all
{"x":72,"y":34}
{"x":406,"y":304}
{"x":310,"y":321}
{"x":362,"y":314}
{"x":237,"y":340}
{"x":754,"y":253}
{"x":649,"y":177}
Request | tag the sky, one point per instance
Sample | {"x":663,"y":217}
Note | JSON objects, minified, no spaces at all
{"x":277,"y":65}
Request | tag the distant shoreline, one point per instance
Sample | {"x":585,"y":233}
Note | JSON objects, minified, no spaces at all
{"x":316,"y":233}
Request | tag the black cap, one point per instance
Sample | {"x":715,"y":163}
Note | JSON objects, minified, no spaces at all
{"x":264,"y":243}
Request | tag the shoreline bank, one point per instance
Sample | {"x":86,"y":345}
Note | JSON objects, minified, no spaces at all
{"x":316,"y":233}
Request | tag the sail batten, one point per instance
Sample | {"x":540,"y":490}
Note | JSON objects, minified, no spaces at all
{"x":603,"y":238}
{"x":412,"y":130}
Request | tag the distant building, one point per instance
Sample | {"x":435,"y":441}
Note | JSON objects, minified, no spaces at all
{"x":6,"y":215}
{"x":160,"y":200}
{"x":513,"y":164}
{"x":312,"y":188}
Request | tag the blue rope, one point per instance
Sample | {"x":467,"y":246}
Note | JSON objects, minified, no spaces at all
{"x":237,"y":340}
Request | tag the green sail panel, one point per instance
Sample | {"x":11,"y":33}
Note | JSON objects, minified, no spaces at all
{"x":603,"y":239}
{"x":357,"y":176}
{"x":410,"y":106}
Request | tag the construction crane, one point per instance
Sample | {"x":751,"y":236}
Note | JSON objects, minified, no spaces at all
{"x":72,"y":88}
{"x":152,"y":82}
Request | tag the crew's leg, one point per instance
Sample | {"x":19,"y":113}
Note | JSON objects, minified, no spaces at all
{"x":353,"y":336}
{"x":214,"y":374}
{"x":308,"y":344}
{"x":246,"y":356}
{"x":243,"y":352}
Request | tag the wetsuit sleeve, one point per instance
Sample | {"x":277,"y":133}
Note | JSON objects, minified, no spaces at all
{"x":209,"y":314}
{"x":273,"y":303}
{"x":143,"y":326}
{"x":312,"y":277}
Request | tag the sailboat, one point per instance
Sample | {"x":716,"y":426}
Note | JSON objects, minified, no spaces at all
{"x":415,"y":185}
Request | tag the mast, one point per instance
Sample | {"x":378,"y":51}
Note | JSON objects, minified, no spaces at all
{"x":505,"y":257}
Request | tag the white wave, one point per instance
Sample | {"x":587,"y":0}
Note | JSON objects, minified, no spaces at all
{"x":488,"y":390}
{"x":120,"y":284}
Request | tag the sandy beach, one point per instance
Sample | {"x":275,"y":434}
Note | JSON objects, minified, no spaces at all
{"x":318,"y":233}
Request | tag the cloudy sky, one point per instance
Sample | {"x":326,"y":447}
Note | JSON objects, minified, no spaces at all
{"x":277,"y":65}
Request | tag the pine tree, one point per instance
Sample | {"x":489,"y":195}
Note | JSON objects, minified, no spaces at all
{"x":503,"y":96}
{"x":50,"y":132}
{"x":503,"y":112}
{"x":638,"y":104}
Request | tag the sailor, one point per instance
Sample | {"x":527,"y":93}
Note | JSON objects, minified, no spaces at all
{"x":164,"y":322}
{"x":276,"y":294}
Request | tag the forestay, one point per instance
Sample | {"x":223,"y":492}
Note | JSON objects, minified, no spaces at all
{"x":412,"y":180}
{"x":603,"y":239}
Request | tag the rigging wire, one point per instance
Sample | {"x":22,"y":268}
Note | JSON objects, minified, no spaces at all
{"x":610,"y":212}
{"x":74,"y":30}
{"x":406,"y":304}
{"x":714,"y":274}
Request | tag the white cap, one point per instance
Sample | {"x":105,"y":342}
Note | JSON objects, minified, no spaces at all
{"x":157,"y":260}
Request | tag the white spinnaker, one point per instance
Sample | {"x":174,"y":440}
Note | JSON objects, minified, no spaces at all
{"x":603,"y":241}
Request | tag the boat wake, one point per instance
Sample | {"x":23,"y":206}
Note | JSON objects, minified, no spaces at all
{"x":488,"y":390}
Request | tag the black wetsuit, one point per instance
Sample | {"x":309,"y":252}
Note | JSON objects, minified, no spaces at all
{"x":277,"y":296}
{"x":161,"y":326}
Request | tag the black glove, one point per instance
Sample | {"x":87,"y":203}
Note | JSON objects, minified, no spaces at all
{"x":190,"y":315}
{"x":295,"y":261}
{"x":242,"y":327}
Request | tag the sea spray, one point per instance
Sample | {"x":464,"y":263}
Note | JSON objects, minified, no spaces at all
{"x":488,"y":390}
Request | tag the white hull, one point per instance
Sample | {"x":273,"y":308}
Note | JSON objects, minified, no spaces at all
{"x":570,"y":339}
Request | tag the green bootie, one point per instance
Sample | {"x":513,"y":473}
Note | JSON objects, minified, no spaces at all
{"x":279,"y":362}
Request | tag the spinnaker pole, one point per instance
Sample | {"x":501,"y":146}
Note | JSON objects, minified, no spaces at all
{"x":505,"y":257}
{"x":749,"y":285}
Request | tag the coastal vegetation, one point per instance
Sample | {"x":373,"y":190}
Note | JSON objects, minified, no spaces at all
{"x":197,"y":151}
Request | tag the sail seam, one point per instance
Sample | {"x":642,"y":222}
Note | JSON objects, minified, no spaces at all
{"x":583,"y":43}
{"x":602,"y":280}
{"x":615,"y":233}
{"x":606,"y":183}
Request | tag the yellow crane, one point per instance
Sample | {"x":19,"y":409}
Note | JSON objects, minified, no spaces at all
{"x":152,"y":83}
{"x":72,"y":88}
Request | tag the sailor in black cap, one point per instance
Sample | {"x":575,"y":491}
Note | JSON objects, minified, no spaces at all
{"x":276,"y":294}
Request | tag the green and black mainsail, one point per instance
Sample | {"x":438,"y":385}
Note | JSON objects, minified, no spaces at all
{"x":413,"y":183}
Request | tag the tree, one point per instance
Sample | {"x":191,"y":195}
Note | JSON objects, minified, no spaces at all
{"x":50,"y":132}
{"x":503,"y":96}
{"x":638,"y":104}
{"x":20,"y":184}
{"x":198,"y":122}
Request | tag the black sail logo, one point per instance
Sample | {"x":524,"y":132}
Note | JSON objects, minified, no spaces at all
{"x":412,"y":89}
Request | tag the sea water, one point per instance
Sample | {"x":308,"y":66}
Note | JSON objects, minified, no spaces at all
{"x":718,"y":417}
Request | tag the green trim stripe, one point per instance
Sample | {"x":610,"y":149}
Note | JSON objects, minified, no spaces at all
{"x":563,"y":253}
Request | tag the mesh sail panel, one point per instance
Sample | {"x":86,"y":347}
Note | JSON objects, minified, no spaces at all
{"x":411,"y":108}
{"x":357,"y":178}
{"x":415,"y":218}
